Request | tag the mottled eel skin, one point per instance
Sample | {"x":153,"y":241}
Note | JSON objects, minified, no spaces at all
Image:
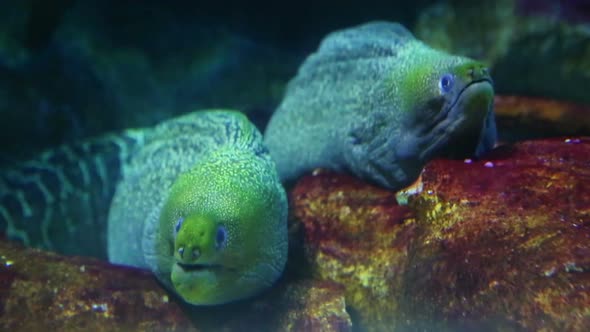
{"x":59,"y":200}
{"x":197,"y":201}
{"x":376,"y":102}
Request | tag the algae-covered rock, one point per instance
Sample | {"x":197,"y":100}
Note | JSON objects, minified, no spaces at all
{"x":304,"y":305}
{"x":496,"y":244}
{"x":505,"y":241}
{"x":44,"y":291}
{"x":357,"y":236}
{"x":311,"y":306}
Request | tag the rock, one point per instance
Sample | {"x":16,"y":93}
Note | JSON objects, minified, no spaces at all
{"x":311,"y":306}
{"x":521,"y":118}
{"x":531,"y":52}
{"x":355,"y":235}
{"x":505,"y":240}
{"x":496,"y":244}
{"x":44,"y":291}
{"x":303,"y":305}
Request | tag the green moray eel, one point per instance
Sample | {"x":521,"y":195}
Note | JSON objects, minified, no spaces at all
{"x":205,"y":212}
{"x":376,"y":102}
{"x":197,"y":201}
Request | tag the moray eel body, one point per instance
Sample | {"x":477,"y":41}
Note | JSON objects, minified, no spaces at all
{"x":59,"y":200}
{"x":376,"y":102}
{"x":195,"y":199}
{"x":200,"y":204}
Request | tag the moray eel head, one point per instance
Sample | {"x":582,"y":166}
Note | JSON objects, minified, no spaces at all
{"x":223,"y":230}
{"x":437,"y":105}
{"x":453,"y":120}
{"x":447,"y":101}
{"x":445,"y":110}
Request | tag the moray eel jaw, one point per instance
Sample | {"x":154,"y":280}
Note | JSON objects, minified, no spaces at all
{"x":181,"y":271}
{"x":200,"y":283}
{"x":461,"y":123}
{"x":187,"y":268}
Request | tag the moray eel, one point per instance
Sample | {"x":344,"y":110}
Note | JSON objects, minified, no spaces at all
{"x":197,"y":201}
{"x":202,"y":207}
{"x":376,"y":102}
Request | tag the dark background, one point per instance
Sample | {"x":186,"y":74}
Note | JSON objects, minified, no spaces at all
{"x":72,"y":69}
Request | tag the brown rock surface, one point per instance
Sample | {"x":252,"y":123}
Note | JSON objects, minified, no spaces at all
{"x":355,"y":235}
{"x":497,"y":244}
{"x":44,"y":291}
{"x":312,"y":306}
{"x":520,"y":118}
{"x":303,"y":305}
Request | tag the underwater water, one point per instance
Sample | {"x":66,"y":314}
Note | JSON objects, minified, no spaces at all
{"x":304,"y":166}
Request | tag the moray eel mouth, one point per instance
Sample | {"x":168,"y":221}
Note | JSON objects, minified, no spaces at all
{"x":469,"y":88}
{"x":196,"y":268}
{"x":463,"y":120}
{"x":199,"y":267}
{"x":200,"y":283}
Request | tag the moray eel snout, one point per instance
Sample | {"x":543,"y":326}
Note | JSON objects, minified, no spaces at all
{"x":198,"y":243}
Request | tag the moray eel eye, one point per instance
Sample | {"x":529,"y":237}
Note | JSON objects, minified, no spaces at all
{"x":178,"y":225}
{"x":446,"y":83}
{"x":220,"y":237}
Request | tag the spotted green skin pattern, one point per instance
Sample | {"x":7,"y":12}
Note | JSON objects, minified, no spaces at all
{"x":194,"y":176}
{"x":370,"y":102}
